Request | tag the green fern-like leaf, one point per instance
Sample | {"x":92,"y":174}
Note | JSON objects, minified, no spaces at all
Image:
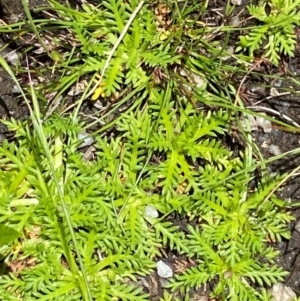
{"x":160,"y":57}
{"x":171,"y":236}
{"x":114,"y":77}
{"x":193,"y":278}
{"x":116,"y":13}
{"x":169,"y":174}
{"x":264,"y":274}
{"x":129,"y":293}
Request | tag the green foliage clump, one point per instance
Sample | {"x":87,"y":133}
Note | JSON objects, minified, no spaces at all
{"x":96,"y":30}
{"x":166,"y":156}
{"x":276,"y":35}
{"x":234,"y":228}
{"x":85,"y":231}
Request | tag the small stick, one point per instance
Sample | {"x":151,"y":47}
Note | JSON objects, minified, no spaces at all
{"x":285,"y":117}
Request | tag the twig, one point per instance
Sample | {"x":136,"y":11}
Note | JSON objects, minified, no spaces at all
{"x":283,"y":116}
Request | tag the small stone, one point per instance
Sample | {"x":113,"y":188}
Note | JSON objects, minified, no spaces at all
{"x":259,"y":90}
{"x":252,"y":122}
{"x":274,"y":149}
{"x":150,"y":212}
{"x":13,"y":57}
{"x":163,"y":270}
{"x":15,"y":90}
{"x":236,"y":2}
{"x":182,"y":72}
{"x":199,"y":81}
{"x":278,"y":83}
{"x":265,"y":124}
{"x":266,"y":143}
{"x":235,"y":21}
{"x":280,"y":292}
{"x":297,"y":226}
{"x":87,"y":140}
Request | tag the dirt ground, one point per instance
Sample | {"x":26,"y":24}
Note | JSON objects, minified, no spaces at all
{"x":286,"y":104}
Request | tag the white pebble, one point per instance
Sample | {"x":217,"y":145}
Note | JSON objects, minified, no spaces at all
{"x":265,"y":144}
{"x":151,"y":212}
{"x":249,"y":121}
{"x":182,"y":72}
{"x":163,"y":270}
{"x":235,"y":21}
{"x":199,"y":81}
{"x":236,"y":2}
{"x":280,"y":292}
{"x":278,"y":83}
{"x":274,"y":149}
{"x":15,"y":90}
{"x":13,"y":57}
{"x":265,"y":124}
{"x":87,"y":139}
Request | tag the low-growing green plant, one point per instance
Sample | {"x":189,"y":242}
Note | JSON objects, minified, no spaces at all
{"x":230,"y":239}
{"x":94,"y":32}
{"x":86,"y":231}
{"x":276,"y":34}
{"x":106,"y":201}
{"x":151,"y":51}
